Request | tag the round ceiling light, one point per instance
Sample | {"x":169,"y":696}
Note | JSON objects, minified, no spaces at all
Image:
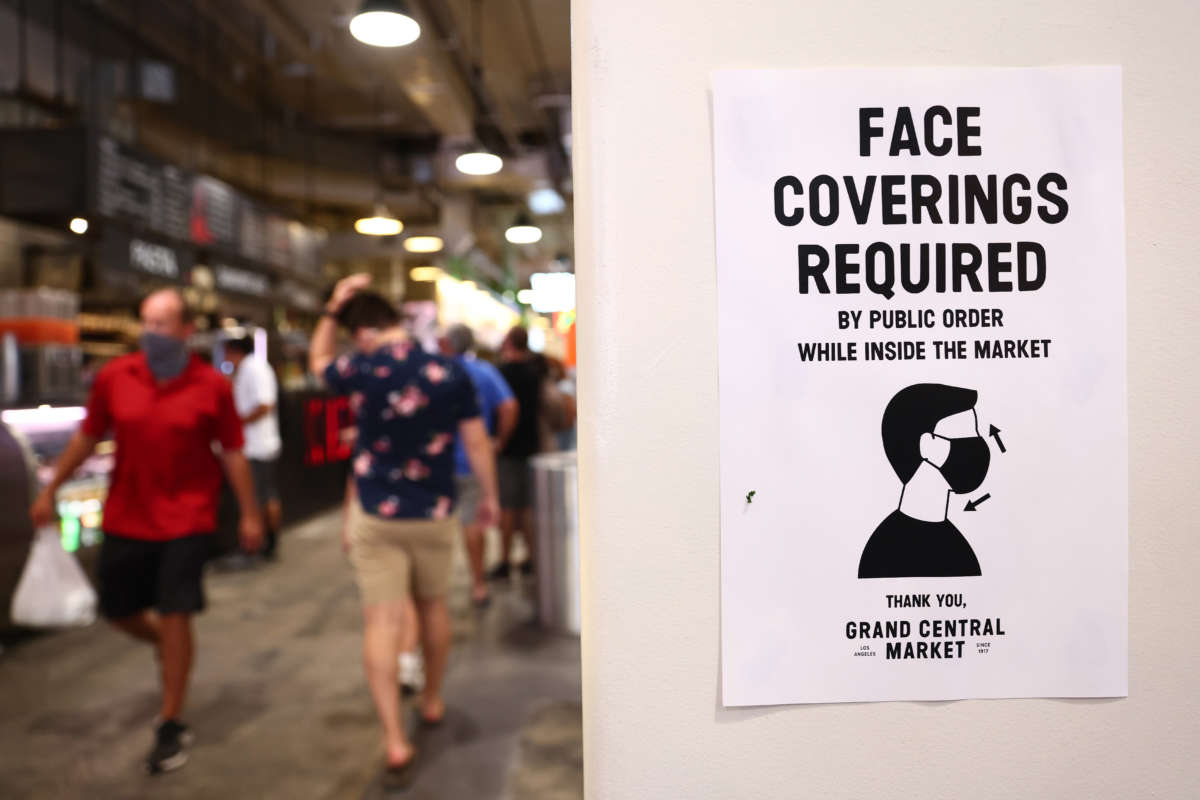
{"x":384,"y":23}
{"x":523,"y":231}
{"x":423,"y":244}
{"x":79,"y":225}
{"x":379,"y":225}
{"x":423,"y":274}
{"x":479,"y":162}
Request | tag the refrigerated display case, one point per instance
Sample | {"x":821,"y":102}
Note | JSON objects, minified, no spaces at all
{"x":45,"y":364}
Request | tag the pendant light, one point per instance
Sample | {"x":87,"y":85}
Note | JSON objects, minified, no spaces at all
{"x":424,"y":274}
{"x":478,"y":161}
{"x":384,"y":23}
{"x":423,"y":244}
{"x":523,"y":231}
{"x":382,"y":223}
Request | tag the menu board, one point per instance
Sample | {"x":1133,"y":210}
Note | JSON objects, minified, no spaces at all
{"x":177,"y":203}
{"x":128,"y":188}
{"x":199,"y":210}
{"x":252,"y":243}
{"x":214,"y":212}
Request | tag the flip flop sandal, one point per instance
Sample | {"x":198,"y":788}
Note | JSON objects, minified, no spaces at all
{"x":398,"y":778}
{"x":426,"y":722}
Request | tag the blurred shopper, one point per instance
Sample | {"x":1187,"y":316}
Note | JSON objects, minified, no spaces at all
{"x":558,"y":407}
{"x":567,"y":437}
{"x":500,"y":412}
{"x":523,"y":375}
{"x":409,"y":406}
{"x":165,"y":408}
{"x":255,"y":395}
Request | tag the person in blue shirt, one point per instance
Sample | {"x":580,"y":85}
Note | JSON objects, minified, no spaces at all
{"x":500,"y":411}
{"x":410,"y":407}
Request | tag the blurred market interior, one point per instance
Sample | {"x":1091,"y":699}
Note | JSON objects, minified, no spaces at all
{"x":250,"y":153}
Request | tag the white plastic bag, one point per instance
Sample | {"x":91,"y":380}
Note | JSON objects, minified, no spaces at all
{"x":53,"y":591}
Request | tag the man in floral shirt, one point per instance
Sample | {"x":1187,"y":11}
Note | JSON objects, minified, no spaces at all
{"x":410,"y":405}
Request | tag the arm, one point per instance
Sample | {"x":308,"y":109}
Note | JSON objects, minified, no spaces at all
{"x":507,"y":414}
{"x":237,"y":469}
{"x":78,"y":450}
{"x":97,"y":421}
{"x":323,"y":346}
{"x":570,"y":411}
{"x":324,"y":340}
{"x":228,"y":432}
{"x":260,"y":411}
{"x":351,"y":497}
{"x":266,"y":391}
{"x":483,"y":464}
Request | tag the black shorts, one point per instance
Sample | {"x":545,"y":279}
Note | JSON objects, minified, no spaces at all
{"x":167,"y":576}
{"x":266,"y":486}
{"x":515,"y":477}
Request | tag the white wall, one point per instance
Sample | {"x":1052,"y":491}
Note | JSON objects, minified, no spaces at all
{"x":653,"y":723}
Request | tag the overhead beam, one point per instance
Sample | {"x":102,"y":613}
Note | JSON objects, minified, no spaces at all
{"x":440,"y":21}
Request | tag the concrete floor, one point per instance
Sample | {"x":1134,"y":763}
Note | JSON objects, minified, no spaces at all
{"x":279,"y":704}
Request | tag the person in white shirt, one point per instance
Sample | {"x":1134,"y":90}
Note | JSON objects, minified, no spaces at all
{"x":255,"y":394}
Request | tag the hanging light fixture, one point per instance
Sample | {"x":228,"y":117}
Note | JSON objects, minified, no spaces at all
{"x":382,"y":223}
{"x":478,"y":161}
{"x":423,"y":274}
{"x":545,"y":200}
{"x":384,"y":23}
{"x":423,"y":244}
{"x":523,"y":231}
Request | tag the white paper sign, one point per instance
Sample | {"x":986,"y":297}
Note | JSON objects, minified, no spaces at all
{"x":921,"y":279}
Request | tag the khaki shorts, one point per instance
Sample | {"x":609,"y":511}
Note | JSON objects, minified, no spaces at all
{"x":394,"y":557}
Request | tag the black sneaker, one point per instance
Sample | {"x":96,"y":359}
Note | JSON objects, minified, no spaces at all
{"x":170,"y":743}
{"x":499,"y":572}
{"x":527,"y":567}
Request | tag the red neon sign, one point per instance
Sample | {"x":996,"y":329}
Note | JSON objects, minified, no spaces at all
{"x":328,"y":422}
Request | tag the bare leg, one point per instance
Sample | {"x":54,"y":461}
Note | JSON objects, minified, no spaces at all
{"x":143,"y":626}
{"x":175,"y":650}
{"x":474,"y":536}
{"x":508,"y":526}
{"x":410,"y":633}
{"x":384,"y":624}
{"x":525,"y":518}
{"x":274,"y":514}
{"x":435,"y":641}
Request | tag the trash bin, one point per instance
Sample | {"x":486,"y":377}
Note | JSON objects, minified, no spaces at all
{"x":556,"y":527}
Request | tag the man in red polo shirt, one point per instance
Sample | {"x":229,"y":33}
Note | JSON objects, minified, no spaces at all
{"x":166,"y":408}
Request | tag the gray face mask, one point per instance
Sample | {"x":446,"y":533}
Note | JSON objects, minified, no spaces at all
{"x":166,"y":355}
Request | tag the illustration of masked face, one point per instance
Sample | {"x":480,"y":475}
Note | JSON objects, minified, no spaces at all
{"x":967,"y":463}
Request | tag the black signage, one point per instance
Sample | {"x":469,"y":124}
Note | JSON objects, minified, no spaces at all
{"x":242,"y":281}
{"x":128,"y":262}
{"x":198,"y":209}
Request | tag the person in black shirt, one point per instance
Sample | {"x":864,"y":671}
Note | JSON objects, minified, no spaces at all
{"x":515,"y":476}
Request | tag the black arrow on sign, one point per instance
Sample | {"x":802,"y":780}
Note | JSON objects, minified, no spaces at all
{"x":974,"y":504}
{"x":995,"y":434}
